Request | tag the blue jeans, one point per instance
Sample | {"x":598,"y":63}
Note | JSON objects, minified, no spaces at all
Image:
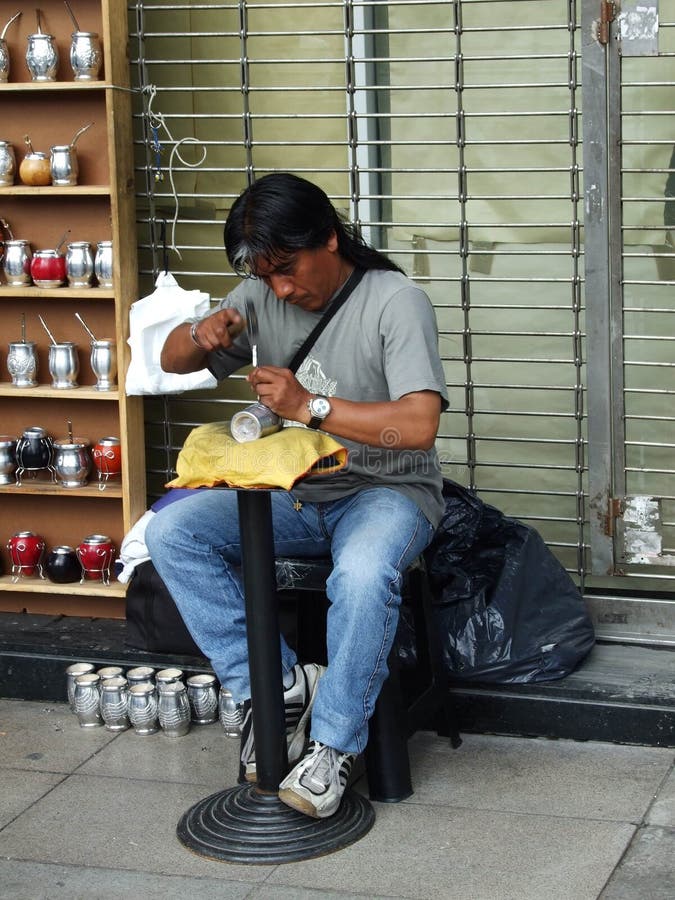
{"x":372,"y":536}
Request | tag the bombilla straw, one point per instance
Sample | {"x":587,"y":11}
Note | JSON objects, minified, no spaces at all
{"x":4,"y":30}
{"x":72,"y":15}
{"x":44,"y":325}
{"x":70,"y":431}
{"x":62,"y":240}
{"x":23,"y":328}
{"x":86,"y":327}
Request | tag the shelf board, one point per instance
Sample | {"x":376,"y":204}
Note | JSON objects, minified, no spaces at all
{"x":111,"y":491}
{"x":85,"y":392}
{"x":62,"y":293}
{"x":22,"y":86}
{"x":44,"y":586}
{"x":55,"y":190}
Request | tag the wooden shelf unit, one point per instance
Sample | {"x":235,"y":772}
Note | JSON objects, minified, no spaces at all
{"x":100,"y":207}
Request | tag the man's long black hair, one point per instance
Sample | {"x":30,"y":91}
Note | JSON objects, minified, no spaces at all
{"x":280,"y":214}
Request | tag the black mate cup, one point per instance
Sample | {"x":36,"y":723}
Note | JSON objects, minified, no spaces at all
{"x":63,"y":566}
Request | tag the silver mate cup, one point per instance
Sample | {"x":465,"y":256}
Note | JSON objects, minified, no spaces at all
{"x":173,"y":708}
{"x":87,"y":700}
{"x":64,"y":365}
{"x":114,"y":703}
{"x":85,"y":55}
{"x":72,"y":673}
{"x":104,"y":364}
{"x":142,"y":708}
{"x":231,"y":714}
{"x":22,"y":364}
{"x":203,"y":697}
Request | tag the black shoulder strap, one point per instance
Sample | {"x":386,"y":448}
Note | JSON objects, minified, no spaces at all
{"x":339,"y":301}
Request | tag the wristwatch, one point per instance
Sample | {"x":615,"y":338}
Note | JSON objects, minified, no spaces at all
{"x":319,"y":407}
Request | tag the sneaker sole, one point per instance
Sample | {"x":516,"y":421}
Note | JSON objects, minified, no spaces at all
{"x":297,"y":745}
{"x":295,"y":801}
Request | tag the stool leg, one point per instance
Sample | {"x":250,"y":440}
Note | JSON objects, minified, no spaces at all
{"x":387,"y":760}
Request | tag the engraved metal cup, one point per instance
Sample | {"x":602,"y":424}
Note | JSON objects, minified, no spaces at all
{"x":173,"y":709}
{"x":203,"y":697}
{"x":4,"y":61}
{"x":231,"y":714}
{"x":72,"y":461}
{"x":142,"y":708}
{"x":103,"y":264}
{"x":87,"y":700}
{"x":7,"y":163}
{"x":110,"y":672}
{"x":140,"y":675}
{"x":63,"y":164}
{"x":7,"y":459}
{"x":42,"y":57}
{"x":64,"y":365}
{"x":72,"y":673}
{"x":79,"y":264}
{"x":85,"y":55}
{"x":16,"y":264}
{"x":168,"y":676}
{"x":254,"y":422}
{"x":114,"y":703}
{"x":22,"y":364}
{"x":104,"y":364}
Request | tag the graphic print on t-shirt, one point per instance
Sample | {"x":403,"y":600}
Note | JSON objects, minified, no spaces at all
{"x":311,"y":376}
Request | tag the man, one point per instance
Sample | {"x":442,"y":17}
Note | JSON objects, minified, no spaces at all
{"x":374,"y":381}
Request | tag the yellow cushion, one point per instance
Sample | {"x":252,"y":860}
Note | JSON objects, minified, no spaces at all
{"x":211,"y":456}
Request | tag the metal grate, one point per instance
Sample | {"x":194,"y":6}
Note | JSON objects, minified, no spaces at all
{"x":451,"y":130}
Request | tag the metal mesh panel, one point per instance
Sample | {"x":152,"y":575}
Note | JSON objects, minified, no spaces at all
{"x":451,"y":131}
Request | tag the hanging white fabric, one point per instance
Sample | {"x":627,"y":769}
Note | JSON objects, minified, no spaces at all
{"x":150,"y":321}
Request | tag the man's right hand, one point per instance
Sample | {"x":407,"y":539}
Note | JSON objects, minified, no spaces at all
{"x":182,"y":354}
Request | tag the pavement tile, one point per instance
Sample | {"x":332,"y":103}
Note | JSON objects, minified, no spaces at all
{"x":45,"y":737}
{"x":119,"y":823}
{"x":432,"y":853}
{"x":562,"y":778}
{"x":203,"y":756}
{"x":40,"y":881}
{"x":663,"y":810}
{"x":19,"y":790}
{"x":647,"y":872}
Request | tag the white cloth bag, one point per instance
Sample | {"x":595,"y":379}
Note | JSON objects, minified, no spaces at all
{"x":150,"y":321}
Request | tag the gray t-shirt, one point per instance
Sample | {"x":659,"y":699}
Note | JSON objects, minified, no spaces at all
{"x":382,"y":344}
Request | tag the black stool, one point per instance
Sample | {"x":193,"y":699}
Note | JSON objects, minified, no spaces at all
{"x":404,"y":705}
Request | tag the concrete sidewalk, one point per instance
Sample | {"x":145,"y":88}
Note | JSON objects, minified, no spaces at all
{"x":90,"y":814}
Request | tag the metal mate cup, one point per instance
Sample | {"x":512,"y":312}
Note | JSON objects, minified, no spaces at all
{"x":22,"y":364}
{"x":140,"y":675}
{"x":4,"y":62}
{"x":231,"y":714}
{"x":203,"y":697}
{"x":63,"y":164}
{"x":16,"y":264}
{"x":85,"y":55}
{"x":64,"y":365}
{"x":142,"y":708}
{"x":173,"y":709}
{"x":103,"y":264}
{"x":104,"y":364}
{"x":79,"y":264}
{"x":114,"y":703}
{"x":7,"y":163}
{"x":254,"y":422}
{"x":87,"y":700}
{"x":110,"y":672}
{"x":42,"y":57}
{"x":72,"y":461}
{"x":72,"y":673}
{"x":7,"y":459}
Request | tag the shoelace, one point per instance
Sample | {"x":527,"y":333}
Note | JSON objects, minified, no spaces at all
{"x":322,"y":768}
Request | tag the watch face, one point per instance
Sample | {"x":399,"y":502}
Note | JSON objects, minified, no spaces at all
{"x":319,"y":407}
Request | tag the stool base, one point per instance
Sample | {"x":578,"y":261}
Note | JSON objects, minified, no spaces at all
{"x":243,"y":825}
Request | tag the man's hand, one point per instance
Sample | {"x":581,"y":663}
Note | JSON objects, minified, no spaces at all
{"x":184,"y":353}
{"x":281,"y":392}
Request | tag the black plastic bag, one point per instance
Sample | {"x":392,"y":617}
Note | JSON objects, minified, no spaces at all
{"x":506,"y":608}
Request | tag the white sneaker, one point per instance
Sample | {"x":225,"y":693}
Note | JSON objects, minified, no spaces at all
{"x":298,"y":702}
{"x":316,"y":785}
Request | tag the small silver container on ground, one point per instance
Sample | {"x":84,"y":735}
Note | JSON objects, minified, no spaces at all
{"x":110,"y":672}
{"x":173,"y":709}
{"x":254,"y":422}
{"x":85,"y":55}
{"x":22,"y":364}
{"x":79,"y":264}
{"x":142,"y":707}
{"x":168,"y":676}
{"x":64,"y":365}
{"x":231,"y":714}
{"x":103,"y":264}
{"x":104,"y":364}
{"x":87,"y":700}
{"x":71,"y":674}
{"x":140,"y":675}
{"x":114,"y":703}
{"x":203,"y":697}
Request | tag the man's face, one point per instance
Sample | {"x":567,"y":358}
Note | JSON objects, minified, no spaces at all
{"x":307,"y":279}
